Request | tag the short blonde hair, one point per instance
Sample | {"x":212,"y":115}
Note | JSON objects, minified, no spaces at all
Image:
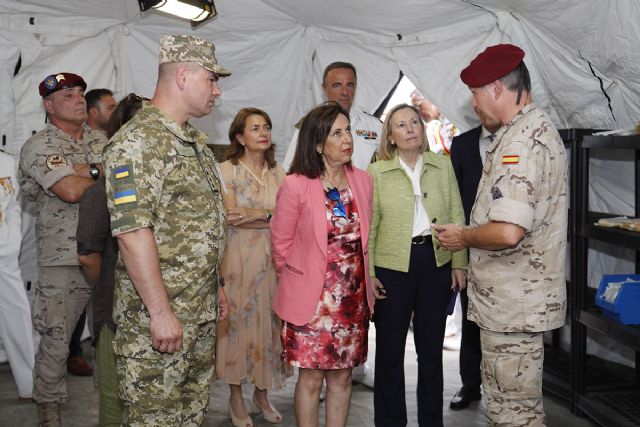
{"x":388,"y":150}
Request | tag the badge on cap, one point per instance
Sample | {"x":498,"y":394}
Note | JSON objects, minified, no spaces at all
{"x":50,"y":82}
{"x":60,"y":77}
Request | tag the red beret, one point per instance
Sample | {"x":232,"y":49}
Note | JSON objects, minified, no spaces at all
{"x":492,"y":64}
{"x":56,"y":82}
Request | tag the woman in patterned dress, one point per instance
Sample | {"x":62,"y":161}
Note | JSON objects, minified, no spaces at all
{"x":248,"y":348}
{"x":319,"y":236}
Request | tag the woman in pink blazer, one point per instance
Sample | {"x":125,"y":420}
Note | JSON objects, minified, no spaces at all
{"x":319,"y":235}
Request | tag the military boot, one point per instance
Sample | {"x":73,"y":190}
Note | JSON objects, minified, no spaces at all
{"x":49,"y":415}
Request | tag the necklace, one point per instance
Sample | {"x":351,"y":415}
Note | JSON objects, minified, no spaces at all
{"x":329,"y":183}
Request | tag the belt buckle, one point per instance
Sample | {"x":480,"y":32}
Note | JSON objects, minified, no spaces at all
{"x":419,"y":240}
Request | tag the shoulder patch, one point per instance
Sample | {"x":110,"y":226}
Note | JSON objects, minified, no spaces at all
{"x":124,"y":187}
{"x":121,"y":172}
{"x":510,"y":159}
{"x":125,"y":196}
{"x":56,"y":161}
{"x":496,"y":193}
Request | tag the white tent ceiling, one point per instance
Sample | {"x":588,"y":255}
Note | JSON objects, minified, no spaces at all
{"x":278,"y":48}
{"x":583,"y":56}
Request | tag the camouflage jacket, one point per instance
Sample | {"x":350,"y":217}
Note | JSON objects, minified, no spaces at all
{"x":45,"y":159}
{"x":164,"y":177}
{"x":524,"y":182}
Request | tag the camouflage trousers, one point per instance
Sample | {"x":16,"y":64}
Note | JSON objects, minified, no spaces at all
{"x":167,"y":389}
{"x":62,"y":293}
{"x":512,"y":378}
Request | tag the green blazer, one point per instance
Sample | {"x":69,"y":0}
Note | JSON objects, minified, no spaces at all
{"x":393,"y":205}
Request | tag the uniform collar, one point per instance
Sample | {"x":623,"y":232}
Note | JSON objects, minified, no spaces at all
{"x":187,"y":133}
{"x":64,"y":136}
{"x":504,"y":129}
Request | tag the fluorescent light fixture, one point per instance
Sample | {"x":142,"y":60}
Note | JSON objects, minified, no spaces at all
{"x":196,"y":11}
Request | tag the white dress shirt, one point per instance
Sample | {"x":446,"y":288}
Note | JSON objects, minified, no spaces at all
{"x":366,"y":131}
{"x":421,"y":224}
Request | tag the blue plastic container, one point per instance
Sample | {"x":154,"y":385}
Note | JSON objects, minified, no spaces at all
{"x":626,"y":307}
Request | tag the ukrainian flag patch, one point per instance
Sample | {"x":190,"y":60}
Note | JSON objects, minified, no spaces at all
{"x":125,"y":196}
{"x":122,"y":172}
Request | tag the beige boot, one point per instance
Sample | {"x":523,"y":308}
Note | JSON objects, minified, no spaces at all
{"x":49,"y":415}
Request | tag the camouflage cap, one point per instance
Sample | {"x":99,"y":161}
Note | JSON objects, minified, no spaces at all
{"x":185,"y":48}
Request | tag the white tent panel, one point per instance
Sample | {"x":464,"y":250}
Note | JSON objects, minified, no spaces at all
{"x":583,"y":56}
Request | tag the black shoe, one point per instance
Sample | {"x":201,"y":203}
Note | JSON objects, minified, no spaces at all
{"x":464,"y":397}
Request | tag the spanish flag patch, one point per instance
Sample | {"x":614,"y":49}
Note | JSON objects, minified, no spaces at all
{"x":126,"y":196}
{"x":511,"y":159}
{"x":122,"y":172}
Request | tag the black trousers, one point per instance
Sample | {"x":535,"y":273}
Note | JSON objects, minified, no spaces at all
{"x":470,"y":352}
{"x":423,"y":291}
{"x":75,"y":343}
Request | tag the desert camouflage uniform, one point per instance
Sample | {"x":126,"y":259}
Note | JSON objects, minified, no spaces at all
{"x":164,"y":177}
{"x":62,"y":291}
{"x":517,"y":293}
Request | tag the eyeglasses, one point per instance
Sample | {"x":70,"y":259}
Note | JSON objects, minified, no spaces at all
{"x":338,"y":209}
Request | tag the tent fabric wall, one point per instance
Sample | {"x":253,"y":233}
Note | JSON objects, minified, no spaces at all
{"x":272,"y":45}
{"x":277,"y":50}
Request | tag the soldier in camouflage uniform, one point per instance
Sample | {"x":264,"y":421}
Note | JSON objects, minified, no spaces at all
{"x":164,"y":197}
{"x":517,"y":238}
{"x":57,"y":165}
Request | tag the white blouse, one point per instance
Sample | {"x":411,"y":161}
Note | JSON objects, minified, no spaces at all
{"x":421,"y":225}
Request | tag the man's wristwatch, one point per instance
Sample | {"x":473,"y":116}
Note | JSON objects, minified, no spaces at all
{"x":94,"y":171}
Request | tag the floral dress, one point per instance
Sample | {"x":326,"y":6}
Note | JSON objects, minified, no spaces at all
{"x":248,"y":347}
{"x":336,"y":335}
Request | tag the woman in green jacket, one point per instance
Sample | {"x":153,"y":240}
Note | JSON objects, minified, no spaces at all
{"x":412,"y":188}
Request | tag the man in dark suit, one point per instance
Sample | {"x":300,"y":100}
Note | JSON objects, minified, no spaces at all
{"x":467,"y":156}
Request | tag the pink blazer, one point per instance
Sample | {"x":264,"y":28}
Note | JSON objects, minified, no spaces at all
{"x":299,"y":242}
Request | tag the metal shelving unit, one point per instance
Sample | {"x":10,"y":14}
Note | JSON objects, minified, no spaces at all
{"x":557,"y":362}
{"x":612,"y":401}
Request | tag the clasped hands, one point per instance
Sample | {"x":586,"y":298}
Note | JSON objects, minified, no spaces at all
{"x":238,"y":216}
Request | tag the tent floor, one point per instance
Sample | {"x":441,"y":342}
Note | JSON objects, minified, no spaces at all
{"x":82,"y":408}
